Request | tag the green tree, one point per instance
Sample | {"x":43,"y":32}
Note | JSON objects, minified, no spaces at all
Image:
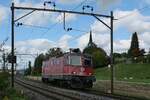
{"x":99,"y":56}
{"x":28,"y":70}
{"x":117,"y":55}
{"x":38,"y":64}
{"x":4,"y":81}
{"x":124,"y":55}
{"x":53,"y":52}
{"x":134,"y":50}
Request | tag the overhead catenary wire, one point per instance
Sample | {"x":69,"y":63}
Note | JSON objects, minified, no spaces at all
{"x":53,"y":25}
{"x":48,"y":29}
{"x":35,"y":26}
{"x":78,"y":29}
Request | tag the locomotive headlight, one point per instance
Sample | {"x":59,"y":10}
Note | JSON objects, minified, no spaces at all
{"x":90,"y":73}
{"x":74,"y":72}
{"x":82,"y":69}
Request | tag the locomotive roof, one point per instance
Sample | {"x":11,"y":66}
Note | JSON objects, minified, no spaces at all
{"x":67,"y":54}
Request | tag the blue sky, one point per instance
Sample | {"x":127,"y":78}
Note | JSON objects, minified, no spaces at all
{"x":132,"y":15}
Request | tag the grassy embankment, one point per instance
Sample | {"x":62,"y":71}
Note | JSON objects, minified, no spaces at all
{"x":126,"y":72}
{"x":130,"y":80}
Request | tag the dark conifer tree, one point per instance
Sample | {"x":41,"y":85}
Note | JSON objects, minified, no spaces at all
{"x":134,"y":50}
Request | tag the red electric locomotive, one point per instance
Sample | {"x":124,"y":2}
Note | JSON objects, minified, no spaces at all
{"x":72,"y":69}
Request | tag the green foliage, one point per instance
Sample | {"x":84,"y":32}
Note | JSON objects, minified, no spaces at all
{"x":120,"y":57}
{"x":117,"y":55}
{"x":39,"y":60}
{"x":38,"y":64}
{"x":13,"y":94}
{"x":53,"y":52}
{"x":4,"y":80}
{"x":134,"y":50}
{"x":100,"y":59}
{"x":29,"y":69}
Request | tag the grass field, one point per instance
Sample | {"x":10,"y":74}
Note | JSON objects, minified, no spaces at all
{"x":130,"y":80}
{"x":126,"y":72}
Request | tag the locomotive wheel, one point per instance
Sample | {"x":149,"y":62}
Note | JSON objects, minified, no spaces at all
{"x":90,"y":84}
{"x":45,"y":80}
{"x":77,"y":83}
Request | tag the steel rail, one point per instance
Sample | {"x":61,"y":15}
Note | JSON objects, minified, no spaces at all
{"x":45,"y":92}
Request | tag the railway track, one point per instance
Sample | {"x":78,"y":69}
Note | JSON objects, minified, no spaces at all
{"x":60,"y":93}
{"x":44,"y":91}
{"x":94,"y":92}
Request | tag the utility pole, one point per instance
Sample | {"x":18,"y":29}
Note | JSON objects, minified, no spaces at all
{"x":12,"y":46}
{"x":111,"y":54}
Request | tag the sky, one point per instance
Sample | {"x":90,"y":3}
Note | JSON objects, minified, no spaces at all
{"x":43,"y":30}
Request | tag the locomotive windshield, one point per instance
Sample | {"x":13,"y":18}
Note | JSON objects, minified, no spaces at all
{"x":75,"y":60}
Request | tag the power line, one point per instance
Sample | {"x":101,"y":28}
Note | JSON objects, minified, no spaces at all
{"x":52,"y":26}
{"x":85,"y":33}
{"x":35,"y":26}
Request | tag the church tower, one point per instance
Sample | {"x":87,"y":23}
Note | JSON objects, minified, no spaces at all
{"x":91,"y":43}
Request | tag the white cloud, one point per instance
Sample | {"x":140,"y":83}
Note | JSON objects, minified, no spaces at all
{"x":3,"y":13}
{"x":41,"y":45}
{"x":145,"y":40}
{"x":98,"y":27}
{"x":37,"y":46}
{"x":105,"y":4}
{"x":34,"y":46}
{"x":145,"y":37}
{"x":82,"y":41}
{"x":132,"y":21}
{"x":63,"y":42}
{"x":69,"y":1}
{"x":40,"y":17}
{"x":121,"y":45}
{"x":69,"y":17}
{"x":101,"y":40}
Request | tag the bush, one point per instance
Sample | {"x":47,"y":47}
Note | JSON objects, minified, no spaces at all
{"x":4,"y":81}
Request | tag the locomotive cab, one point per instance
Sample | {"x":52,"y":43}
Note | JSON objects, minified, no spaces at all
{"x":81,"y":70}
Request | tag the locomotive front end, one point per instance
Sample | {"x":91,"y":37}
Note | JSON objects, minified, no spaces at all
{"x":81,"y":70}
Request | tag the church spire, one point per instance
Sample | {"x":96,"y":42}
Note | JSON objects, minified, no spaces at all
{"x":91,"y":43}
{"x":90,"y":39}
